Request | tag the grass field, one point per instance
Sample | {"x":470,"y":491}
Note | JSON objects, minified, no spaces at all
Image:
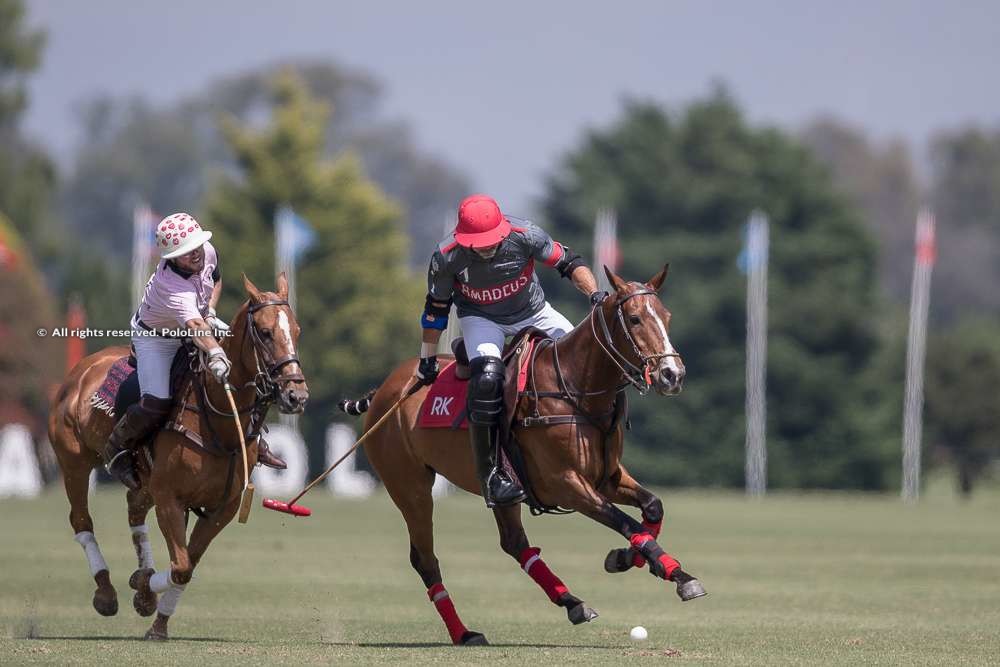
{"x":794,"y":579}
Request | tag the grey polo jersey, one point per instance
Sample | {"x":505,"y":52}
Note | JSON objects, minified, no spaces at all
{"x":503,"y":289}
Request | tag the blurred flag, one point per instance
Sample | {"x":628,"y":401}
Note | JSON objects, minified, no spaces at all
{"x":753,"y":261}
{"x":76,"y":318}
{"x":292,"y":236}
{"x":8,"y":258}
{"x":143,"y":249}
{"x":754,"y":252}
{"x":925,"y":253}
{"x":606,"y":251}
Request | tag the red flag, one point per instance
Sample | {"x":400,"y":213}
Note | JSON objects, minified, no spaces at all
{"x":76,"y":348}
{"x":926,"y":241}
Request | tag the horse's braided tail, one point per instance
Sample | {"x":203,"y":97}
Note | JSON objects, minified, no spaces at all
{"x":358,"y":407}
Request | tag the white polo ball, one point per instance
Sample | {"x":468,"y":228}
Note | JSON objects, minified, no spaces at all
{"x":638,"y":633}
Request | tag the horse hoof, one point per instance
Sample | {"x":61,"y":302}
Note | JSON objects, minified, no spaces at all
{"x":139,"y":581}
{"x":581,"y":613}
{"x":105,"y":604}
{"x":144,"y":602}
{"x":690,"y":589}
{"x":471,"y":638}
{"x":154,"y":635}
{"x":618,"y":560}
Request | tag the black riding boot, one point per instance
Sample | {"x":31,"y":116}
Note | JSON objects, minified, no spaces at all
{"x":485,"y":406}
{"x":138,"y":422}
{"x":266,"y":457}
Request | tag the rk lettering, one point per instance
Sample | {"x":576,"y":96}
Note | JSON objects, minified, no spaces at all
{"x":442,"y":405}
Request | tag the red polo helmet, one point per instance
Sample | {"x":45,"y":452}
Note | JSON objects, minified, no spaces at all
{"x":480,"y":222}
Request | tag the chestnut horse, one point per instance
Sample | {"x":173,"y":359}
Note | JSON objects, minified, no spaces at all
{"x":183,"y":475}
{"x":571,"y":447}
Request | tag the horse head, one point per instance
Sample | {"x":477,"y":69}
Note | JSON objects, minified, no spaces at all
{"x":639,"y":334}
{"x":274,"y":333}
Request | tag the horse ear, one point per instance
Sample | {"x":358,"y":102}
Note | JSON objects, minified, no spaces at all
{"x":251,"y":288}
{"x":656,"y":282}
{"x":615,"y":281}
{"x":282,"y":285}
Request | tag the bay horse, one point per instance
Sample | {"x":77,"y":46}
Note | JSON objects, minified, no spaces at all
{"x":183,"y":474}
{"x":569,"y":428}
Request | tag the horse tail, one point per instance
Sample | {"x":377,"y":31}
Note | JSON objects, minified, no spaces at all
{"x":359,"y":406}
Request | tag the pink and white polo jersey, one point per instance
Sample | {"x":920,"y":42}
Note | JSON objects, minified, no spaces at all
{"x":171,"y":299}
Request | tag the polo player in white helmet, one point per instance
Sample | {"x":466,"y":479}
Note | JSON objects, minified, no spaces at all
{"x":181,"y":294}
{"x":486,"y":267}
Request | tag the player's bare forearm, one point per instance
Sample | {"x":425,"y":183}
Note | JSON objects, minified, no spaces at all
{"x":584,"y":280}
{"x":431,"y":336}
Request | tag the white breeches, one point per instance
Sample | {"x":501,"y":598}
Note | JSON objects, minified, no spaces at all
{"x":484,"y":338}
{"x":153,"y":355}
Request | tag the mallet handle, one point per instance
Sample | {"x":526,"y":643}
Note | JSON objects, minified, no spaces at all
{"x":357,"y":444}
{"x":239,"y":431}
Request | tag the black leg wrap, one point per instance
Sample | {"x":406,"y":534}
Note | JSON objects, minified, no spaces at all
{"x":652,"y":511}
{"x":652,"y":551}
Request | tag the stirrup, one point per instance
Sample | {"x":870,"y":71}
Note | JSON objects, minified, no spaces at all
{"x":124,"y":471}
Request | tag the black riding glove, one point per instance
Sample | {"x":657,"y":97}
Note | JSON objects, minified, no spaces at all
{"x":598,"y":297}
{"x":427,"y":371}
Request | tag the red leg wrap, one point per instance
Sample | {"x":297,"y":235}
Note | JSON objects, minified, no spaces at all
{"x":654,"y":530}
{"x":442,"y":602}
{"x":540,"y":572}
{"x":669,"y":564}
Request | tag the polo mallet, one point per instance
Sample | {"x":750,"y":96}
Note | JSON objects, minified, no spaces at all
{"x":247,"y":502}
{"x":300,"y":510}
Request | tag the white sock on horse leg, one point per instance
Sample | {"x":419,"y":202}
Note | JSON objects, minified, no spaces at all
{"x":87,"y":540}
{"x":160,"y":581}
{"x":143,"y":549}
{"x":168,"y":601}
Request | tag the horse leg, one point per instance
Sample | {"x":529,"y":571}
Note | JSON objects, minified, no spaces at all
{"x":586,"y":500}
{"x":168,"y":583}
{"x":627,"y":491}
{"x":514,"y":542}
{"x":411,"y":492}
{"x":139,"y":503}
{"x":76,"y":478}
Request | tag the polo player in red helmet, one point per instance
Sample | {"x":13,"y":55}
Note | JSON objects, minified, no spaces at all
{"x":487,"y":269}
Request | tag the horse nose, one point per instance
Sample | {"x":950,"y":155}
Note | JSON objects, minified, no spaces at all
{"x":297,"y":397}
{"x":672,"y":377}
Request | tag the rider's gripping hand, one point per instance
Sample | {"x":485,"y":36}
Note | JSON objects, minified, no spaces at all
{"x":598,"y":297}
{"x":215,"y":323}
{"x":219,"y":365}
{"x":427,"y":371}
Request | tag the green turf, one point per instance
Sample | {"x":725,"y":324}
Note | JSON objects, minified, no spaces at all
{"x":794,"y":579}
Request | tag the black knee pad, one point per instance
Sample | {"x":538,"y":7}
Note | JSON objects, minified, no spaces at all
{"x":155,"y":405}
{"x":485,"y":397}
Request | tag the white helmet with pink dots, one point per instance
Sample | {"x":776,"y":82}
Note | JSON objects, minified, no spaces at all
{"x":178,"y":234}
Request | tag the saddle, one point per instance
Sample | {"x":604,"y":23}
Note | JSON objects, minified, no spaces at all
{"x":120,"y":388}
{"x":444,"y":405}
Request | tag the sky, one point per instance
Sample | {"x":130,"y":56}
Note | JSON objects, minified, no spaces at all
{"x":503,"y":90}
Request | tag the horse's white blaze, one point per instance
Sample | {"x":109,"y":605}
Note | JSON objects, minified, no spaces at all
{"x":669,"y":362}
{"x":284,"y":326}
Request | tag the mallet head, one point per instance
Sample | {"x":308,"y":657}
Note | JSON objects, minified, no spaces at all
{"x":279,"y":506}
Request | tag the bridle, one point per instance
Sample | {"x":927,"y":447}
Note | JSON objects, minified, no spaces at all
{"x":267,"y":378}
{"x":638,"y":377}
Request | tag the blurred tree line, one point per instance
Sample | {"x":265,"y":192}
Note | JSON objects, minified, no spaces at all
{"x":682,"y":181}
